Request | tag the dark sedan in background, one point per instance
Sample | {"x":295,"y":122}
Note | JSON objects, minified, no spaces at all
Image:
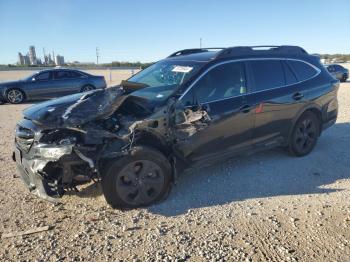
{"x":49,"y":83}
{"x":338,"y":72}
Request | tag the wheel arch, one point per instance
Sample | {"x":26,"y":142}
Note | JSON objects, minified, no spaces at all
{"x":315,"y":109}
{"x":6,"y":90}
{"x":86,"y":84}
{"x":153,"y":140}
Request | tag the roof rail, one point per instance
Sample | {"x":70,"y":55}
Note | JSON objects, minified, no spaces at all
{"x":194,"y":51}
{"x":253,"y":50}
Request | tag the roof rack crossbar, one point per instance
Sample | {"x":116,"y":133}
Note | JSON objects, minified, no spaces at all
{"x":194,"y":50}
{"x":262,"y":49}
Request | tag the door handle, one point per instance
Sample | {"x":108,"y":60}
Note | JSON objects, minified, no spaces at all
{"x":245,"y":108}
{"x":298,"y":96}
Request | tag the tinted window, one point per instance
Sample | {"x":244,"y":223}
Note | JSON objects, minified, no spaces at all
{"x":43,"y":76}
{"x":221,"y":82}
{"x":62,"y":74}
{"x":75,"y":74}
{"x":338,"y":67}
{"x":267,"y":74}
{"x":302,"y":70}
{"x":289,"y":75}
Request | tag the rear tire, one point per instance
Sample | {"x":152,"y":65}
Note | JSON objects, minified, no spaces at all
{"x":15,"y":96}
{"x":305,"y":134}
{"x":87,"y":88}
{"x":139,"y":179}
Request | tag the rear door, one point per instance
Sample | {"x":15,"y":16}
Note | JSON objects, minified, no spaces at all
{"x":221,"y":93}
{"x":65,"y":82}
{"x":279,"y":92}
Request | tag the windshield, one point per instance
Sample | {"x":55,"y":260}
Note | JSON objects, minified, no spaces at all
{"x":28,"y":78}
{"x":163,"y":78}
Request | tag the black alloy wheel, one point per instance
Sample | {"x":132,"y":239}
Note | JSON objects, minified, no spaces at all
{"x":138,"y":179}
{"x":305,"y":134}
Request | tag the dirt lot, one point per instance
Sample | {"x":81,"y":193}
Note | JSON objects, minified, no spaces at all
{"x":265,"y":207}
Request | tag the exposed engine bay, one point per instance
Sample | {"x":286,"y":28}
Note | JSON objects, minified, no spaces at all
{"x":66,"y":142}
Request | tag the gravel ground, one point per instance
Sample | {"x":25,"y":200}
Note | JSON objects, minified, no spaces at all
{"x":267,"y":206}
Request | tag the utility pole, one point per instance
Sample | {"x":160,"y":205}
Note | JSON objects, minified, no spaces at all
{"x":200,"y":42}
{"x":97,"y":55}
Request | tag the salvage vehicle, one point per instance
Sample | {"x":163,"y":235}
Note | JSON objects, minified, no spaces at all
{"x":49,"y":83}
{"x":192,"y":109}
{"x":337,"y":71}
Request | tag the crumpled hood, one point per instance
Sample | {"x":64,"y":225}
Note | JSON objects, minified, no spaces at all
{"x":78,"y":109}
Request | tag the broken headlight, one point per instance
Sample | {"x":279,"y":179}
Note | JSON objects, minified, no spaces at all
{"x":53,"y":152}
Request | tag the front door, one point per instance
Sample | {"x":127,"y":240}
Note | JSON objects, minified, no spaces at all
{"x":218,"y":120}
{"x":40,"y":86}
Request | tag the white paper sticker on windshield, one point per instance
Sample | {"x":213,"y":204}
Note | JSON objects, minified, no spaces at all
{"x":182,"y":69}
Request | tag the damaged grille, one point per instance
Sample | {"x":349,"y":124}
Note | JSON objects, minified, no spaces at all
{"x":24,"y":138}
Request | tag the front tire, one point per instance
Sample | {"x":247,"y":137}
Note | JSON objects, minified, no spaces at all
{"x":305,"y":134}
{"x":15,"y":96}
{"x":139,"y":179}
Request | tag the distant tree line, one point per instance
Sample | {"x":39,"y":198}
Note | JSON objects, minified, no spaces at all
{"x":127,"y":64}
{"x":340,"y":58}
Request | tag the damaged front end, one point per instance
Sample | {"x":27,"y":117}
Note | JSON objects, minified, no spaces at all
{"x":68,"y":141}
{"x":62,"y":143}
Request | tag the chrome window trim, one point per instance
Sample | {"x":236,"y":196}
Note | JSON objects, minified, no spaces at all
{"x":318,"y":71}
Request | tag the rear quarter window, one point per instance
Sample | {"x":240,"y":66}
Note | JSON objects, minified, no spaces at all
{"x":302,"y":70}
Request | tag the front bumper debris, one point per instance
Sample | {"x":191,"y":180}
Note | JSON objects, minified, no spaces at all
{"x":43,"y":172}
{"x":34,"y":182}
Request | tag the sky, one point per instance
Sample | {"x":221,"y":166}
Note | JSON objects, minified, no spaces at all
{"x":150,"y":30}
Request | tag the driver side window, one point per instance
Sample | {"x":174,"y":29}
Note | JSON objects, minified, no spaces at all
{"x":224,"y":81}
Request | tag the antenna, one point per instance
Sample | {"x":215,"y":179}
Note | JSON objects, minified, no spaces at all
{"x":200,"y":42}
{"x":97,"y":55}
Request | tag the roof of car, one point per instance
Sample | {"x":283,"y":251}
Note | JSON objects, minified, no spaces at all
{"x":200,"y":56}
{"x":208,"y":54}
{"x":58,"y":69}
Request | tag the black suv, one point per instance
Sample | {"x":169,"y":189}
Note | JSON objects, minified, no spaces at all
{"x":194,"y":108}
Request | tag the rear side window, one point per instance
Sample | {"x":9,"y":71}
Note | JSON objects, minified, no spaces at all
{"x":289,"y":75}
{"x":302,"y":70}
{"x":267,"y":74}
{"x":75,"y":74}
{"x":62,"y":74}
{"x":338,"y":67}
